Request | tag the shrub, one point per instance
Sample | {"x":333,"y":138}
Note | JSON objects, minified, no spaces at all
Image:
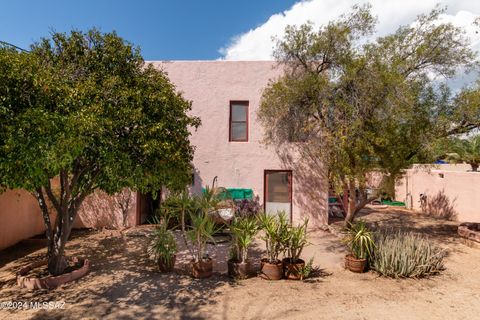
{"x":295,"y":241}
{"x":244,"y":230}
{"x":247,"y":207}
{"x":275,"y":227}
{"x":406,"y":255}
{"x":359,"y":240}
{"x":163,"y":245}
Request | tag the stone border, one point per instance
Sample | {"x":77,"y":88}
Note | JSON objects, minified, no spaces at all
{"x":49,"y":282}
{"x":470,"y":231}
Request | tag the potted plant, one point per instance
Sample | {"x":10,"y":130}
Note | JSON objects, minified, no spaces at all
{"x":361,"y":244}
{"x":274,"y":229}
{"x":163,"y":246}
{"x":295,"y":241}
{"x":202,"y":230}
{"x":243,"y":230}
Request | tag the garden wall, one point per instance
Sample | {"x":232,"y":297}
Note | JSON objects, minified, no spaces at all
{"x":21,"y":217}
{"x":451,"y":192}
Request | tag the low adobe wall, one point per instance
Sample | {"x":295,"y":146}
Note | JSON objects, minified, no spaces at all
{"x":21,"y":216}
{"x":451,"y":192}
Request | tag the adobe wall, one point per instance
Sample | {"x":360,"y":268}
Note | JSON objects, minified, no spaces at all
{"x":451,"y":192}
{"x":22,"y":218}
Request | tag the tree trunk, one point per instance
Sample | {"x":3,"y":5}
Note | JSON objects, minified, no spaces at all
{"x":56,"y":255}
{"x":352,"y":202}
{"x":56,"y":261}
{"x":58,"y":235}
{"x":474,"y":167}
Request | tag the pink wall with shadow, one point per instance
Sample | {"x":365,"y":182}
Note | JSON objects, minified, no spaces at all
{"x":451,"y":192}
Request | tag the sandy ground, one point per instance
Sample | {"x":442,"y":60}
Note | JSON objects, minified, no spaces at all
{"x":123,"y":282}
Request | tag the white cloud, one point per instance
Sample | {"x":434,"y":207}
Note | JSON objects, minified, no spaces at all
{"x":257,"y":44}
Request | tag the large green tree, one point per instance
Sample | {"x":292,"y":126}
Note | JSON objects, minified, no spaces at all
{"x":464,"y":150}
{"x":84,"y":108}
{"x":359,"y":106}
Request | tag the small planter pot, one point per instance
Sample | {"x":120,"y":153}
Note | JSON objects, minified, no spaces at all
{"x":355,"y":265}
{"x":202,"y":269}
{"x":271,"y":271}
{"x":165,"y":266}
{"x":238,"y":270}
{"x":292,"y":270}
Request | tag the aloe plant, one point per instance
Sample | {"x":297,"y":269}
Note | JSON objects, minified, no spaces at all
{"x":401,"y":255}
{"x":360,"y":240}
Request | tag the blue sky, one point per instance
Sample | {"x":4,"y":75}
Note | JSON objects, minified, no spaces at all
{"x":165,"y":30}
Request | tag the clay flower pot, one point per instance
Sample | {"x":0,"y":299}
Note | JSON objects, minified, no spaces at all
{"x":165,"y":266}
{"x":238,"y":270}
{"x":202,"y":269}
{"x":292,"y":270}
{"x":355,"y":265}
{"x":271,"y":271}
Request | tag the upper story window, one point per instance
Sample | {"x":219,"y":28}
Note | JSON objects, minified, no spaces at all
{"x":238,"y":121}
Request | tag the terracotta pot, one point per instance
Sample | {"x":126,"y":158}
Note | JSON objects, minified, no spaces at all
{"x":202,"y":269}
{"x":271,"y":271}
{"x":292,"y":270}
{"x":355,"y":265}
{"x":238,"y":270}
{"x":165,"y":266}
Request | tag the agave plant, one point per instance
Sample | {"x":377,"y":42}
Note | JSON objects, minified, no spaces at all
{"x":360,"y":240}
{"x":244,"y":230}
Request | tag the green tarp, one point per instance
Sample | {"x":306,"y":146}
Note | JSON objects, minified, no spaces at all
{"x":236,"y":194}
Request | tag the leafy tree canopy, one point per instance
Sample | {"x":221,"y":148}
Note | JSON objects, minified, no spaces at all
{"x":86,"y":108}
{"x":466,"y":150}
{"x":361,"y":106}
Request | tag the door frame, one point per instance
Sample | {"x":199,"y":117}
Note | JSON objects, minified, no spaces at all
{"x":265,"y":188}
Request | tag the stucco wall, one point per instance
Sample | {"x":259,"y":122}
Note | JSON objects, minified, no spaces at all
{"x":211,"y":85}
{"x":449,"y":194}
{"x":21,"y":216}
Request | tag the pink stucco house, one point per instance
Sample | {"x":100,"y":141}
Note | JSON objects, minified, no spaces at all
{"x":226,"y":96}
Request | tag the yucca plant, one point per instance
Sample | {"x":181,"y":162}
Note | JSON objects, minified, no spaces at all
{"x":202,"y":226}
{"x":406,"y":255}
{"x":202,"y":229}
{"x":360,"y":240}
{"x":163,"y":245}
{"x":275,"y":229}
{"x":244,"y":230}
{"x":296,"y":241}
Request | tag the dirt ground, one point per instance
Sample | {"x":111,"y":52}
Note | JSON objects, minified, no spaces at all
{"x":123,"y":282}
